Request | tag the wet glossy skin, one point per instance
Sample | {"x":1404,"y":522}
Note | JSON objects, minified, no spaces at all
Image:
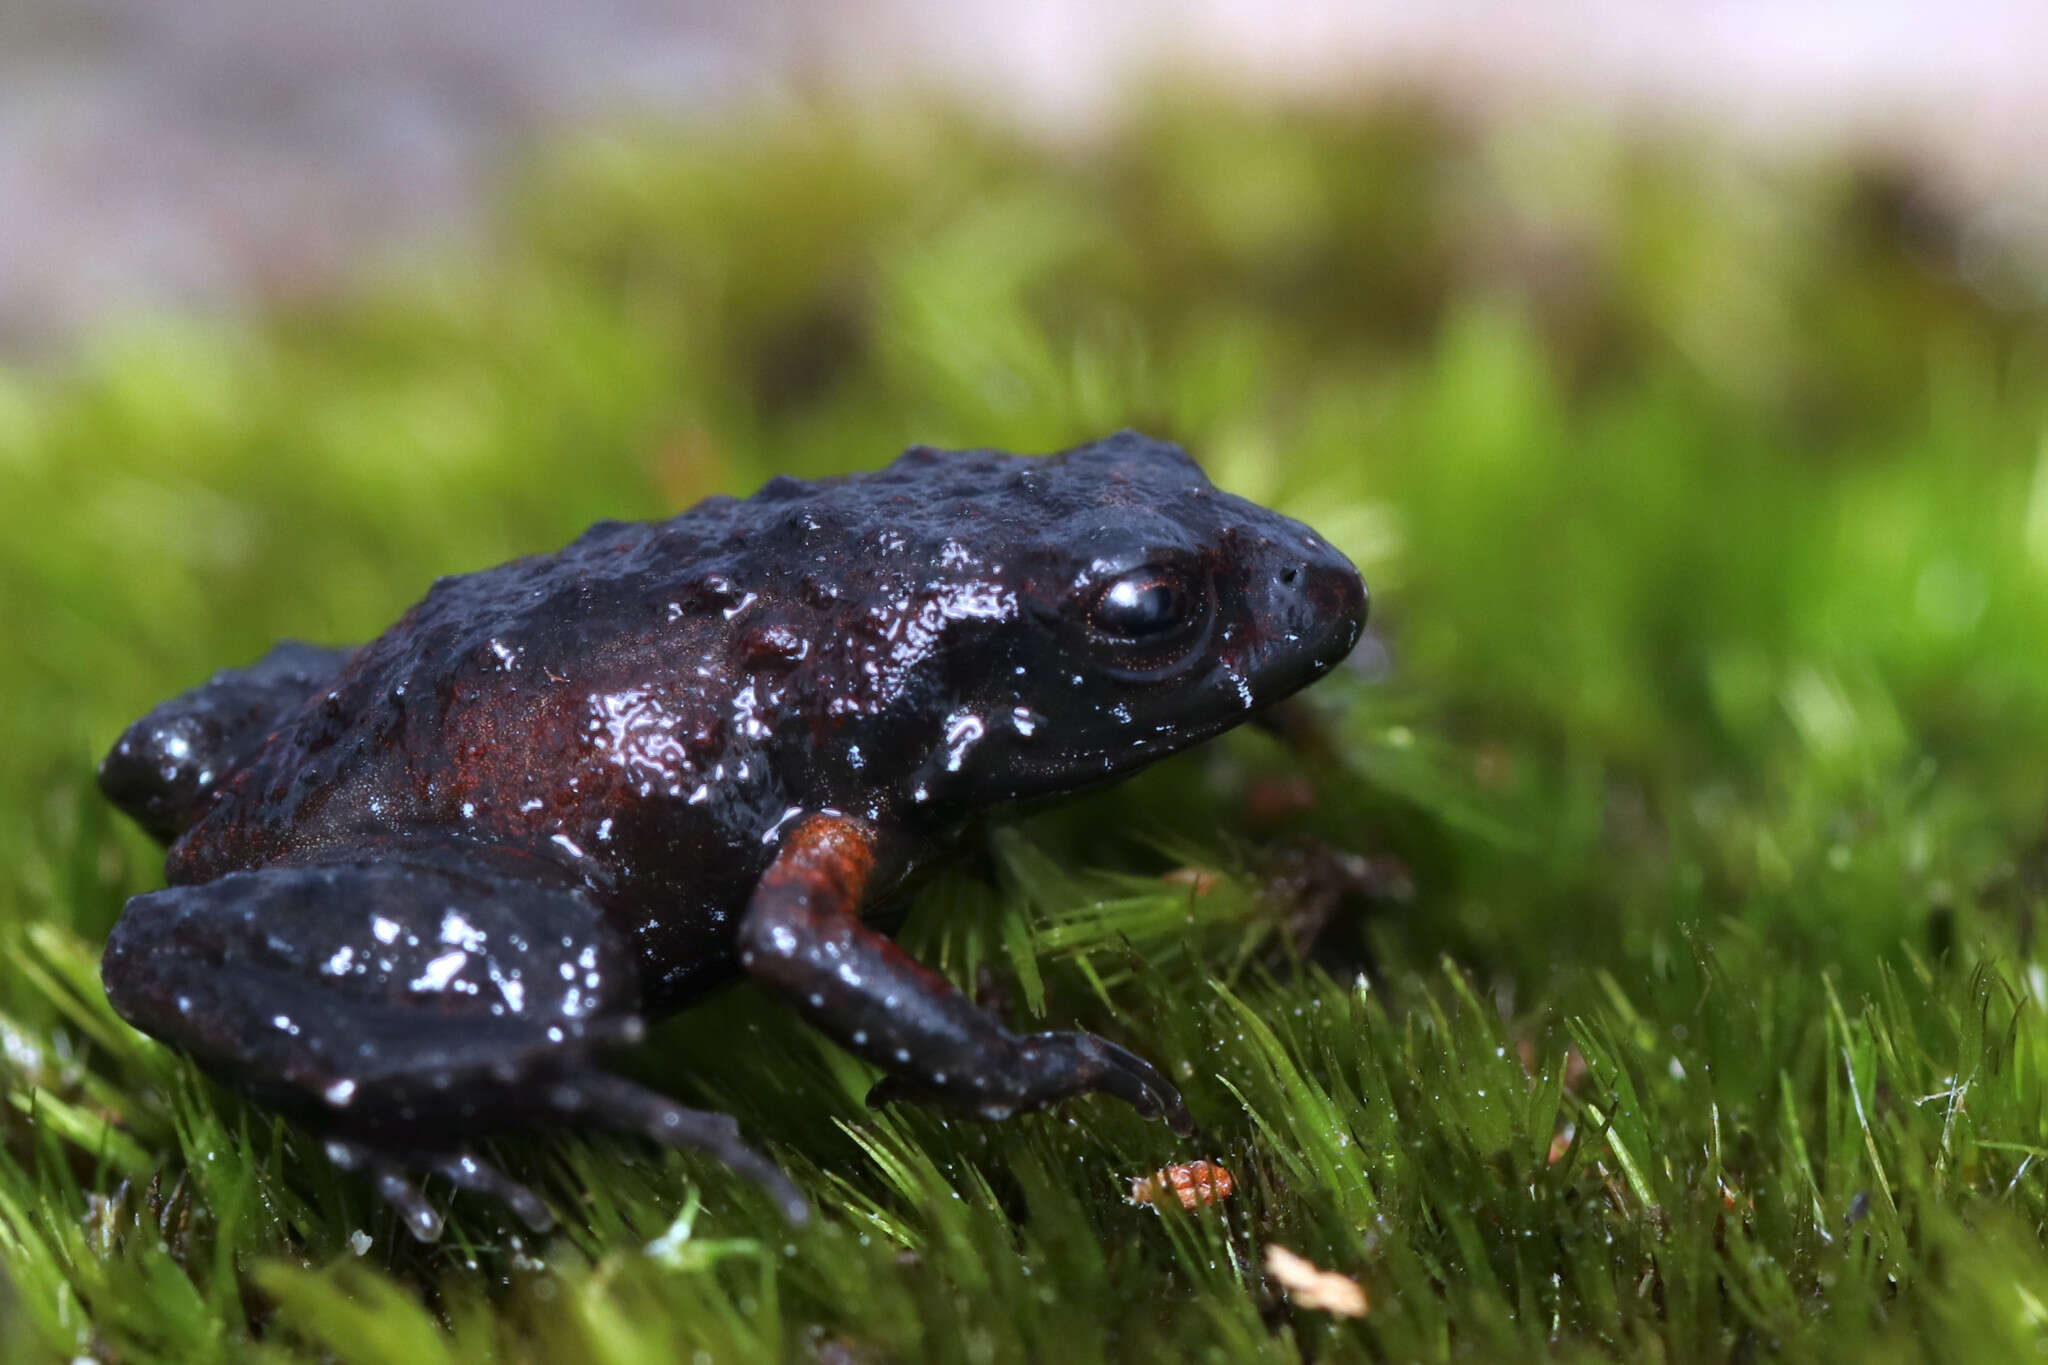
{"x":416,"y":884}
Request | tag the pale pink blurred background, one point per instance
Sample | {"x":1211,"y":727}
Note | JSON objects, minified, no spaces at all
{"x":202,"y":154}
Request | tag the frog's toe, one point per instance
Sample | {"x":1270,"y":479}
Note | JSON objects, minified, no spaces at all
{"x":1042,"y":1069}
{"x":421,"y":1219}
{"x":608,"y":1101}
{"x":1064,"y":1064}
{"x":389,"y":1177}
{"x":466,"y":1171}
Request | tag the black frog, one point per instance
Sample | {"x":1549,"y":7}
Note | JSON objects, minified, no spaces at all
{"x":417,"y":886}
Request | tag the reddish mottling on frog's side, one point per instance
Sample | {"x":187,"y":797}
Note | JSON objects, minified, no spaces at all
{"x":415,"y":885}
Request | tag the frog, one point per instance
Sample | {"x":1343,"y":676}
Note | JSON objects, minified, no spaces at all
{"x":416,"y":890}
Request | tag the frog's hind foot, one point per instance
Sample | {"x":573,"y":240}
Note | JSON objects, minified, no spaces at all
{"x":392,"y":1177}
{"x":597,"y":1099}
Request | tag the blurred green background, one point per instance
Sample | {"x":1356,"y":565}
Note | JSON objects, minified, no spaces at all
{"x":1705,"y":507}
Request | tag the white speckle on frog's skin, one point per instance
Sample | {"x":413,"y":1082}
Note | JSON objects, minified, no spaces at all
{"x":964,"y":730}
{"x":459,"y":932}
{"x":436,"y":975}
{"x":774,"y":831}
{"x":1244,"y":689}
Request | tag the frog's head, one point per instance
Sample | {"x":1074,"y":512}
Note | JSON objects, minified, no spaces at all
{"x":1144,"y":611}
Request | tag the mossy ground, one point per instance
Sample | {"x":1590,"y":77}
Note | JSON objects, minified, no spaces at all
{"x":1707,"y":517}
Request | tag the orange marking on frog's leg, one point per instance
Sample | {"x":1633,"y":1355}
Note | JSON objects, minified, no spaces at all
{"x":803,"y":937}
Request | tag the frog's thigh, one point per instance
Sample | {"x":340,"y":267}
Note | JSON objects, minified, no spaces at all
{"x":381,"y":995}
{"x":405,"y":1008}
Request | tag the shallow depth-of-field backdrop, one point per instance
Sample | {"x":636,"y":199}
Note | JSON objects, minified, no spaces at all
{"x":1705,"y":506}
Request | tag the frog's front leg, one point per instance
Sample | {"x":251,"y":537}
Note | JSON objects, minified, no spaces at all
{"x":802,"y":935}
{"x":404,"y":1006}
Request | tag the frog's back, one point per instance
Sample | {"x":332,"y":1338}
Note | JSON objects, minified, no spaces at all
{"x":475,"y":690}
{"x":304,"y":707}
{"x":641,"y":698}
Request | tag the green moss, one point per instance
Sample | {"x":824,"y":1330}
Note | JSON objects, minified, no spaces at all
{"x":1705,"y":514}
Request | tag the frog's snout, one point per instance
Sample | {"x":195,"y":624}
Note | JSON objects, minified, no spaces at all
{"x":1313,"y":613}
{"x":1345,"y":602}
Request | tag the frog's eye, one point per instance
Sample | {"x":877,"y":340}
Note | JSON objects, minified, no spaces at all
{"x":1143,"y":606}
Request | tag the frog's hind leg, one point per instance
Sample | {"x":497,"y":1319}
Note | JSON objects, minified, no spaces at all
{"x":405,"y":1007}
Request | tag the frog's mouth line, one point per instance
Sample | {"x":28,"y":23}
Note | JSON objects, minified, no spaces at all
{"x":1059,"y":772}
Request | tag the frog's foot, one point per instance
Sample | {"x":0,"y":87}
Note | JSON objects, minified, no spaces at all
{"x":1041,"y":1069}
{"x":598,"y":1099}
{"x":404,"y":1007}
{"x":392,"y":1177}
{"x":802,"y":936}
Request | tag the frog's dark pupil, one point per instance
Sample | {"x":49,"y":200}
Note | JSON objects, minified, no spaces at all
{"x":1140,"y":606}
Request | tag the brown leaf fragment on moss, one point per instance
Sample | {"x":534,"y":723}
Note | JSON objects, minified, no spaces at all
{"x":1312,"y":1287}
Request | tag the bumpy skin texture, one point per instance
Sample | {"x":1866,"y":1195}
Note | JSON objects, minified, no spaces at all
{"x":415,"y":885}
